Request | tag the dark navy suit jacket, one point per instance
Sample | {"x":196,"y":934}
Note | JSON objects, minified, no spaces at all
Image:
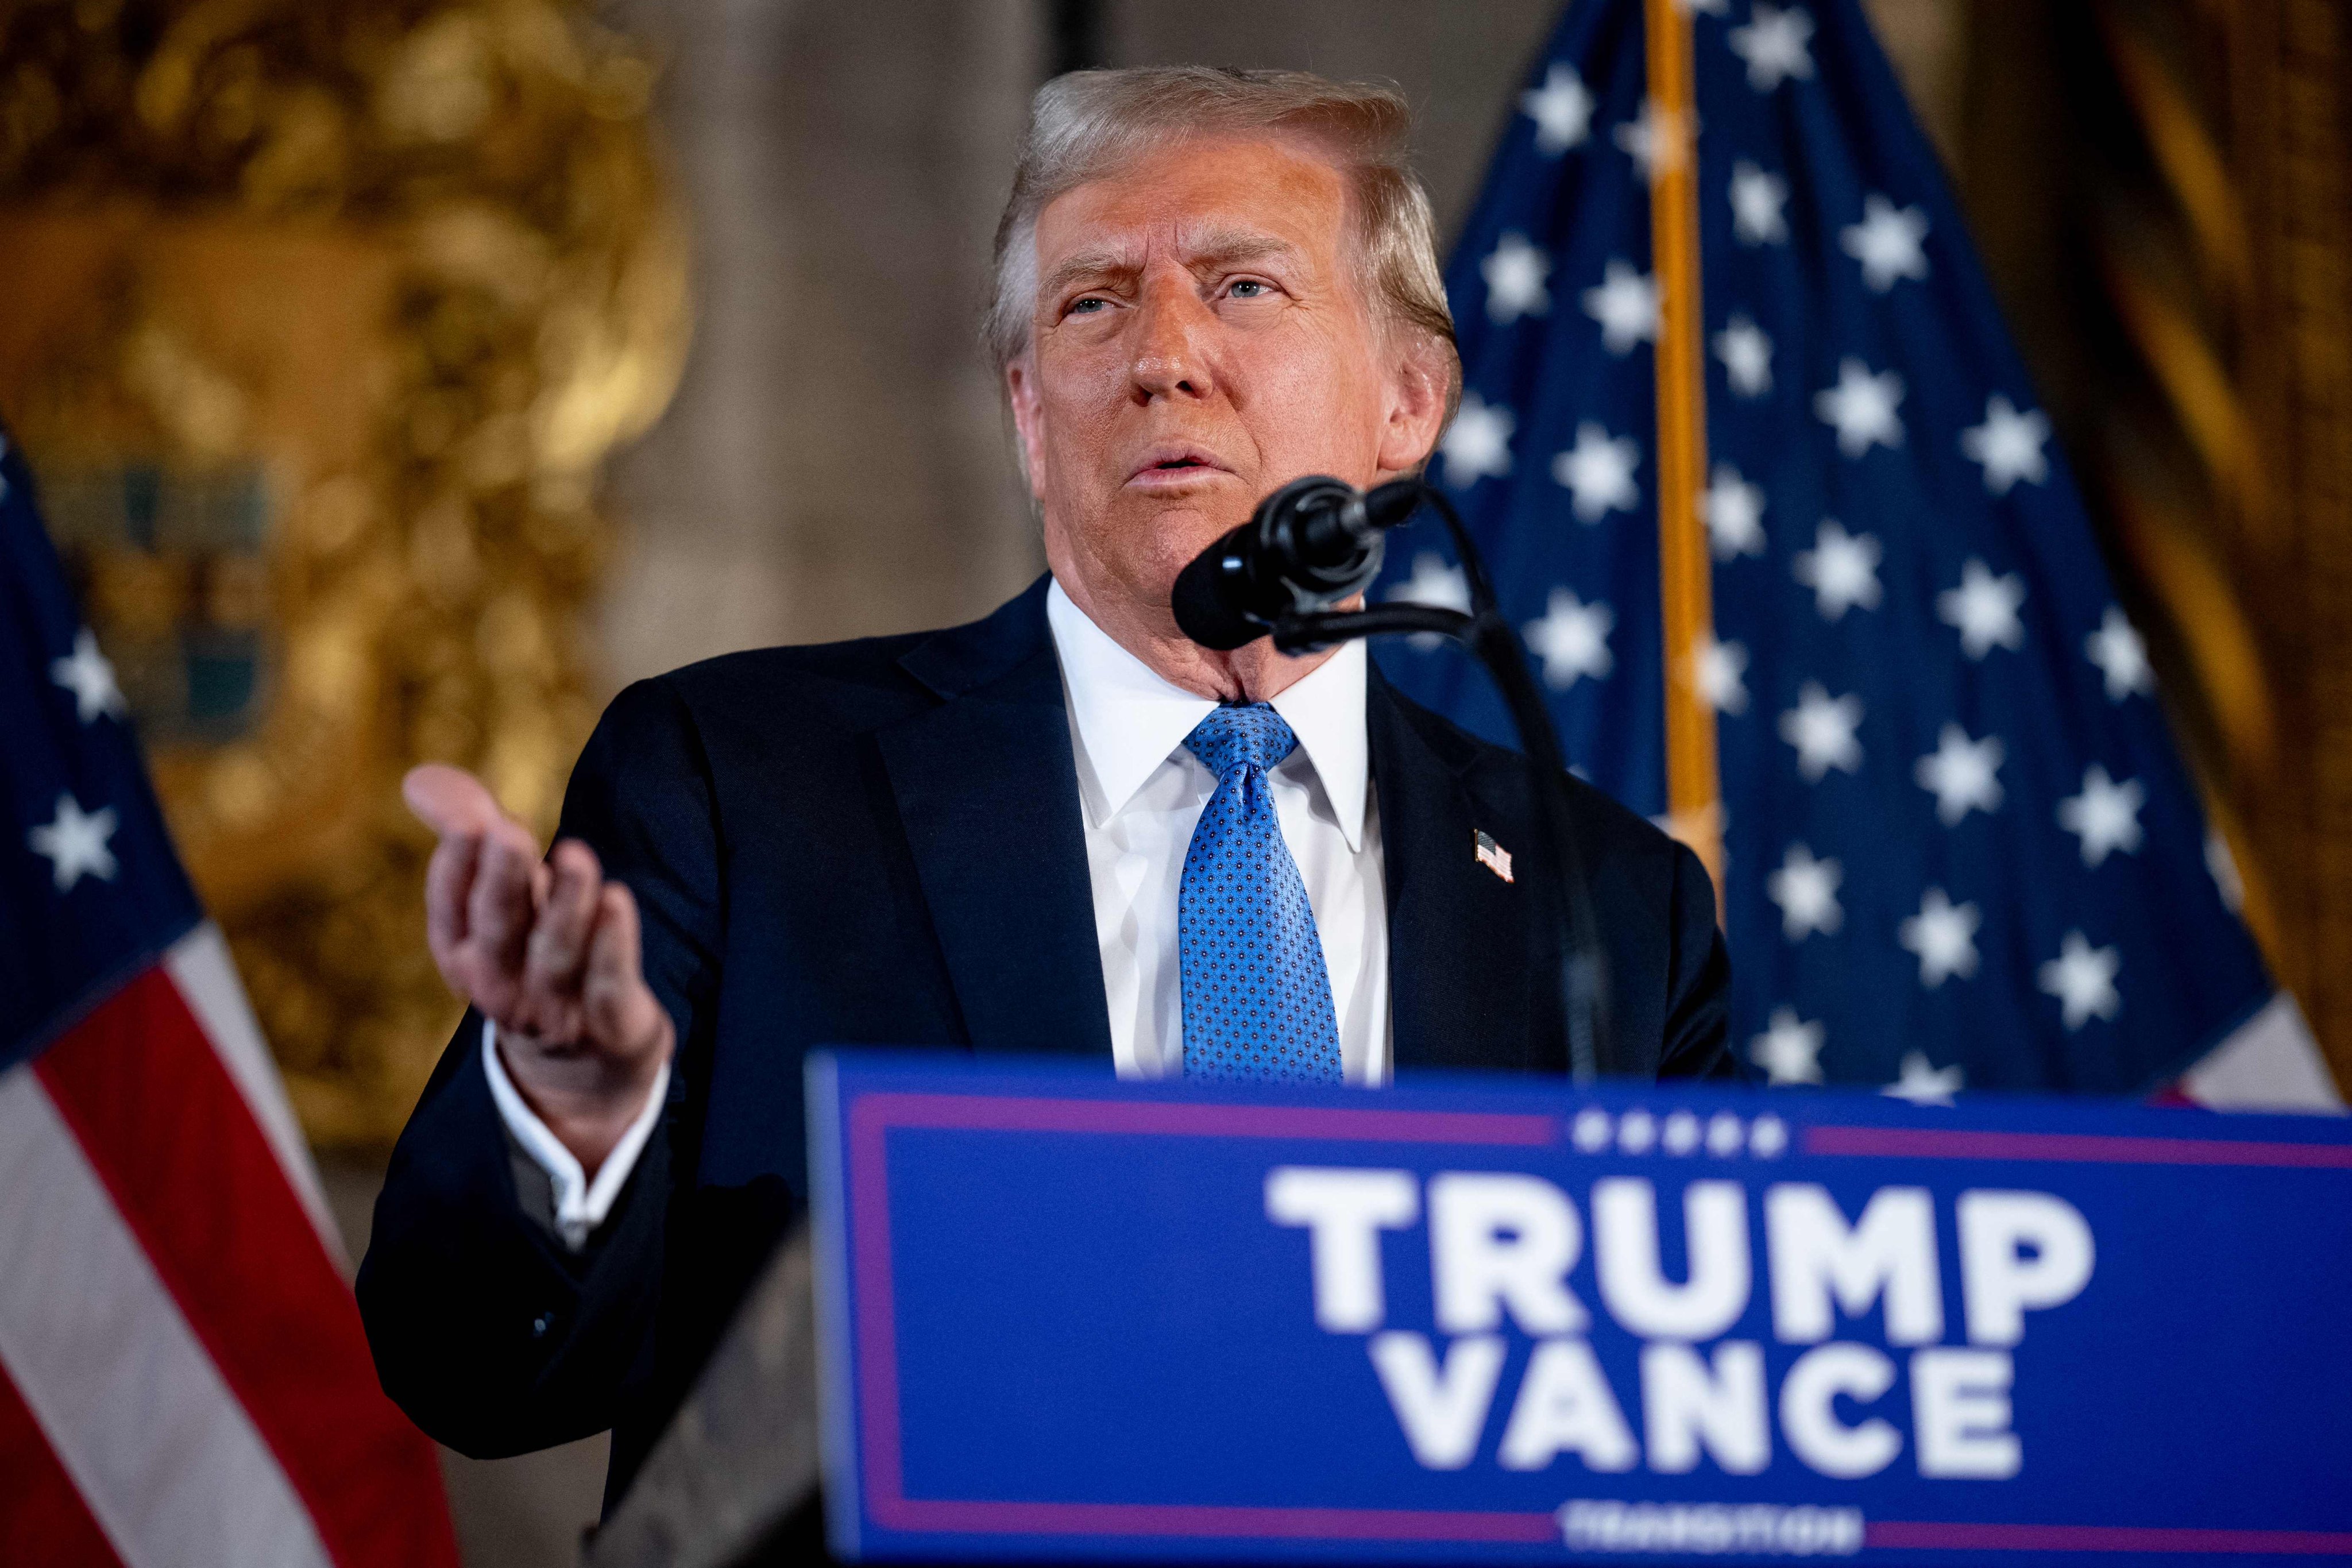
{"x":880,"y":842}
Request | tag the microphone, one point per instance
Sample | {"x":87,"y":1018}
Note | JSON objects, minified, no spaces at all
{"x":1311,"y":545}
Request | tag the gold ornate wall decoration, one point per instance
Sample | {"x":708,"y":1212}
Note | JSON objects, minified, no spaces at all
{"x":319,"y":318}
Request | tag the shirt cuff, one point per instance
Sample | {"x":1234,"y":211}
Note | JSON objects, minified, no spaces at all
{"x":581,"y":1205}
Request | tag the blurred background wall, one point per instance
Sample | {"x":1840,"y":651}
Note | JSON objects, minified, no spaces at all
{"x":434,"y":367}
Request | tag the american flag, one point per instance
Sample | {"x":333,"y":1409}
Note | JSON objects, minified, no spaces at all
{"x":183,"y":1375}
{"x":1955,"y":844}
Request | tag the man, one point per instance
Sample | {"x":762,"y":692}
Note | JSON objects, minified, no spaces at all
{"x":1013,"y":835}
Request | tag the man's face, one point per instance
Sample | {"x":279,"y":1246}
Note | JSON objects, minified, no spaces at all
{"x":1200,"y":339}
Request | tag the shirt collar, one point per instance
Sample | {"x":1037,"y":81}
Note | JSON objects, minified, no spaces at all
{"x":1128,"y":718}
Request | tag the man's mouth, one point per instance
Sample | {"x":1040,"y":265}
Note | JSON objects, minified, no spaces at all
{"x":1173,"y":465}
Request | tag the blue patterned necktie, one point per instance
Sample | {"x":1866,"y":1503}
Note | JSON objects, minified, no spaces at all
{"x":1257,"y":999}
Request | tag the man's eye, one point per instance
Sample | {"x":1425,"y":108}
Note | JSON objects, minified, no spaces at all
{"x":1088,"y":306}
{"x":1250,"y":288}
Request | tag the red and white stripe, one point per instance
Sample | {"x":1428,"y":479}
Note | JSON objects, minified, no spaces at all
{"x":183,"y":1375}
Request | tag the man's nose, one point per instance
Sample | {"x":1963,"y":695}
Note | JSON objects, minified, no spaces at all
{"x":1171,"y":344}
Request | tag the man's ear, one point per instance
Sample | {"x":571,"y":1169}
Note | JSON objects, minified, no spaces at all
{"x":1420,"y":383}
{"x":1028,"y":419}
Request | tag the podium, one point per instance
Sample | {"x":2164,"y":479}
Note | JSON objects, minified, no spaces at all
{"x":1067,"y":1319}
{"x":733,"y":1482}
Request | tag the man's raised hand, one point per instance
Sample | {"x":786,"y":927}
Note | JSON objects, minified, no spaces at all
{"x":549,"y":952}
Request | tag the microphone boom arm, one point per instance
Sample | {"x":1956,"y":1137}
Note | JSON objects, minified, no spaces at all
{"x":1561,"y":886}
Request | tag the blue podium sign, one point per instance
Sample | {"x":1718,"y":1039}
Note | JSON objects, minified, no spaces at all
{"x":1501,"y":1321}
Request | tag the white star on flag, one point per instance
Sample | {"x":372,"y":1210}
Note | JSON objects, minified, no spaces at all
{"x":1842,"y":569}
{"x":1821,"y":727}
{"x":1561,"y":108}
{"x":1888,"y":242}
{"x":1625,"y":303}
{"x":1599,"y":471}
{"x":2082,"y":978}
{"x":2008,"y":445}
{"x":1962,"y":774}
{"x":1515,"y":273}
{"x":1478,"y":443}
{"x":1774,"y":44}
{"x":1862,"y":406}
{"x":1789,"y":1050}
{"x":1923,"y":1083}
{"x":86,"y":673}
{"x":1437,"y":585}
{"x":1806,"y":890}
{"x":74,"y":844}
{"x":1572,"y":640}
{"x":1984,"y":607}
{"x":1734,"y":511}
{"x":2121,"y":657}
{"x":1720,"y":669}
{"x":1756,"y":199}
{"x":2104,"y":817}
{"x":1655,"y":140}
{"x":1745,"y":352}
{"x":1943,"y":936}
{"x":1433,"y":583}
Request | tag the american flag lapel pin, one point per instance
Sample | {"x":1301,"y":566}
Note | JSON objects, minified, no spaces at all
{"x":1493,"y":856}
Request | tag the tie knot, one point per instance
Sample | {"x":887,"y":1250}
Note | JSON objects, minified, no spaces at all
{"x":1232,"y":738}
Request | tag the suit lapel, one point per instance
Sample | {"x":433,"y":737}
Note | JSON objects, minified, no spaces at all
{"x":988,"y":791}
{"x":1457,"y":933}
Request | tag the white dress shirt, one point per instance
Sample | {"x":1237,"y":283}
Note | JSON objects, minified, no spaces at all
{"x":1140,"y":792}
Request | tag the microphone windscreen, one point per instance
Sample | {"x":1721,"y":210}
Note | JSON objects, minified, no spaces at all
{"x":1204,"y":611}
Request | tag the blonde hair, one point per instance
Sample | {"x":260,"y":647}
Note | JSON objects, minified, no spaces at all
{"x":1086,"y":124}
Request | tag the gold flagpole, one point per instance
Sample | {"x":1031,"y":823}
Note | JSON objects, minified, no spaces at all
{"x":1693,"y":790}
